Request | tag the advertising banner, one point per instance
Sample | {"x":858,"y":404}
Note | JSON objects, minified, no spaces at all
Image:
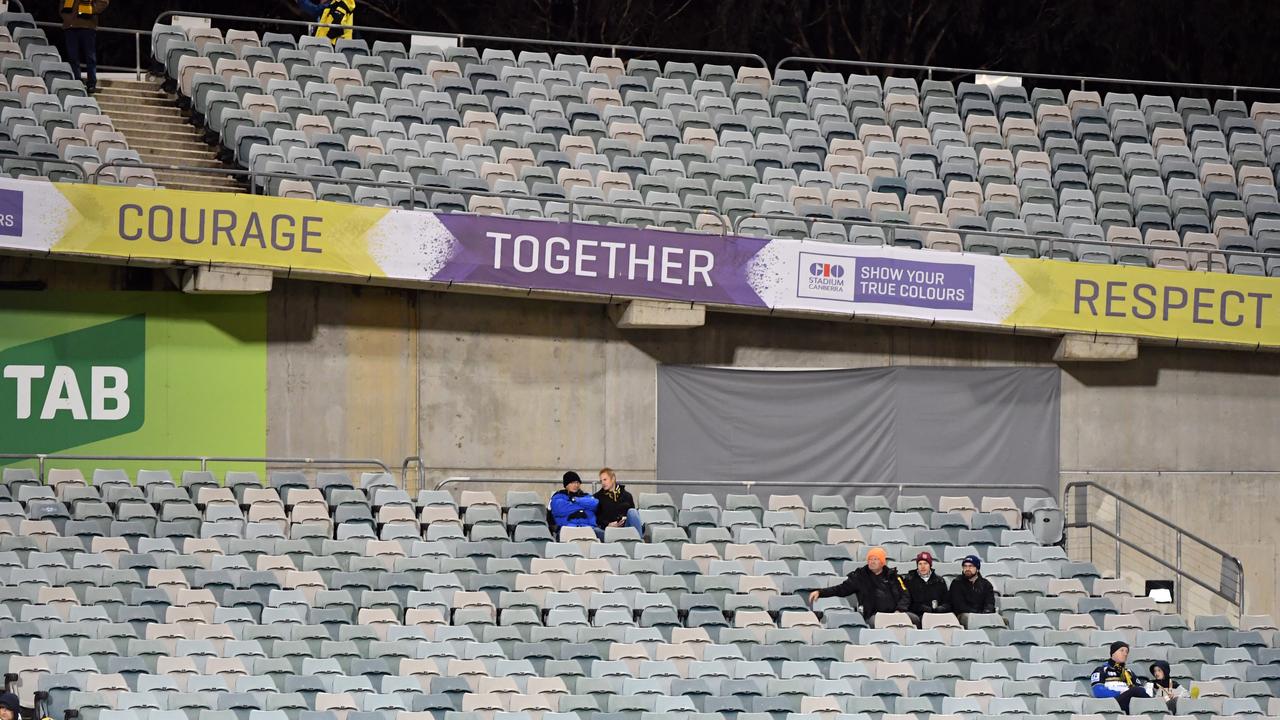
{"x":372,"y":244}
{"x":132,"y":373}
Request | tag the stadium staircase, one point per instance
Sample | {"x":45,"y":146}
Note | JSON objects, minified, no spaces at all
{"x":158,"y":129}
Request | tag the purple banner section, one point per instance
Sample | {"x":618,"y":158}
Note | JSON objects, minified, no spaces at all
{"x":890,"y":281}
{"x":607,"y":260}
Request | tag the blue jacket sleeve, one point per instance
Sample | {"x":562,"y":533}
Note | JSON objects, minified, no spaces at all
{"x":1102,"y":691}
{"x":311,"y":8}
{"x":588,"y":502}
{"x":561,"y":507}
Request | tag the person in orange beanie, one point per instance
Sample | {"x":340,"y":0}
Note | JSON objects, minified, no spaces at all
{"x":877,"y":587}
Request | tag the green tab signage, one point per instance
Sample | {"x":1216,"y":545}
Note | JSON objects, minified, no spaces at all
{"x":132,"y":373}
{"x":74,"y":388}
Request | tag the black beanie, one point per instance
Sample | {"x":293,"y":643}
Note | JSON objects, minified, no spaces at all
{"x":571,"y":477}
{"x":1117,"y":645}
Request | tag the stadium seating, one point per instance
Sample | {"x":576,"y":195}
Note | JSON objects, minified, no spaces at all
{"x":49,"y":126}
{"x":313,"y":598}
{"x":687,"y":147}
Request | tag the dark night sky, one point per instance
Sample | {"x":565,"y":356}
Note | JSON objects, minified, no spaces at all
{"x":1215,"y":41}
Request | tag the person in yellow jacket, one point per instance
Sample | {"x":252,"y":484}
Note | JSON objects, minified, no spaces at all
{"x":80,"y":26}
{"x":336,"y":12}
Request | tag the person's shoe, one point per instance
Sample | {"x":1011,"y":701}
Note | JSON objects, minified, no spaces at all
{"x":93,"y":89}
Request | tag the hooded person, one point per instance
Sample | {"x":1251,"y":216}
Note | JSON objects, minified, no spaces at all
{"x":1162,"y":686}
{"x":928,"y":591}
{"x":1113,"y":679}
{"x":970,"y":592}
{"x":617,"y":508}
{"x":10,"y":707}
{"x":571,"y":507}
{"x":877,"y":587}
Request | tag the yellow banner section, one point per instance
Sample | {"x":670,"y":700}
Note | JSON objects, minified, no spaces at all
{"x":1118,"y":300}
{"x":207,"y":227}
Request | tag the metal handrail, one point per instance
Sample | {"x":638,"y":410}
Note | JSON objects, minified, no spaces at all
{"x":748,"y":484}
{"x":613,"y":48}
{"x":1081,"y":79}
{"x":1180,"y":532}
{"x":1050,"y":239}
{"x":404,"y":471}
{"x":572,"y":203}
{"x":42,"y":459}
{"x":137,"y":70}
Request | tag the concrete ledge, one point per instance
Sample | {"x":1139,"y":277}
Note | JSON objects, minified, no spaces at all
{"x":657,"y":315}
{"x":1095,"y":348}
{"x":226,"y":281}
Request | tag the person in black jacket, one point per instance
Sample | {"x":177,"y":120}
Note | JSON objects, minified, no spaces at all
{"x":876,"y":586}
{"x":617,"y":508}
{"x":927,"y":589}
{"x":971,"y":593}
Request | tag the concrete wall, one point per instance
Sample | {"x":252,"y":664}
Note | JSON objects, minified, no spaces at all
{"x":505,"y":387}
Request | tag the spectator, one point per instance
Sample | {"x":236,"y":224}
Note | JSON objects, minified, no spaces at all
{"x":1113,"y":680}
{"x":927,"y":589}
{"x":312,"y":8}
{"x":337,"y":12}
{"x":80,"y":27}
{"x":617,"y":508}
{"x":1163,"y":687}
{"x":571,"y":507}
{"x":10,"y":708}
{"x":971,"y":593}
{"x":876,"y":586}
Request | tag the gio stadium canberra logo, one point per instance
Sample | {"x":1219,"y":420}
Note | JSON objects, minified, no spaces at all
{"x":73,"y":389}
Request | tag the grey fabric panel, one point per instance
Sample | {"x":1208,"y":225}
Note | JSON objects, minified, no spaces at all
{"x":875,"y":426}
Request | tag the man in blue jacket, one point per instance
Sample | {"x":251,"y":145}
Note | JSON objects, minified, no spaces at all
{"x":1112,"y":679}
{"x":571,"y":507}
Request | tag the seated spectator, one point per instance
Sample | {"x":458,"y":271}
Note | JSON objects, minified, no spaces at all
{"x":927,"y":589}
{"x":10,"y":708}
{"x":876,"y":586}
{"x":1113,"y":680}
{"x":1163,"y":687}
{"x":617,"y":508}
{"x":971,"y":593}
{"x":571,"y":507}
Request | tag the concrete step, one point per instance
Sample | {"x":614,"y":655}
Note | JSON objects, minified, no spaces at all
{"x":138,"y":102}
{"x":154,"y":93}
{"x":163,"y":132}
{"x":186,"y":160}
{"x":190,"y":180}
{"x":114,"y":83}
{"x":129,"y":110}
{"x":177,"y":185}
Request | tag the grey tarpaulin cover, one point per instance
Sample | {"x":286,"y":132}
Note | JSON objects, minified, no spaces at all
{"x":880,"y":425}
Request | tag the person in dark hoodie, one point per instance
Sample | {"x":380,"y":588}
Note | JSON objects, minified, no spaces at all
{"x":1162,"y":686}
{"x":1113,"y":680}
{"x":927,"y":589}
{"x":571,"y":507}
{"x":617,"y":508}
{"x":877,"y":587}
{"x":10,"y":708}
{"x":971,"y":593}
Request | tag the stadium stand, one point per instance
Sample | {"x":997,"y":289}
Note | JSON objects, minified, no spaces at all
{"x":689,"y":146}
{"x":51,"y":127}
{"x":315,"y":598}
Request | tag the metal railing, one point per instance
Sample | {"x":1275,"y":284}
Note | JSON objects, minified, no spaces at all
{"x":1039,"y":240}
{"x":750,"y":484}
{"x":1082,"y":80}
{"x":463,"y":38}
{"x":139,"y":69}
{"x":1143,"y":542}
{"x":44,"y":459}
{"x":572,"y":204}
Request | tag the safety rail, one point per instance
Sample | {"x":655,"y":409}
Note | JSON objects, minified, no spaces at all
{"x":462,"y":38}
{"x":1082,"y":80}
{"x":253,"y":175}
{"x":43,"y":460}
{"x":749,"y":484}
{"x":1142,"y":540}
{"x":892,"y":228}
{"x":138,"y":70}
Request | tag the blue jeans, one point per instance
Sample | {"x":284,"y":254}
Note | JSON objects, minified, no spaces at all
{"x":82,"y":49}
{"x":633,"y":521}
